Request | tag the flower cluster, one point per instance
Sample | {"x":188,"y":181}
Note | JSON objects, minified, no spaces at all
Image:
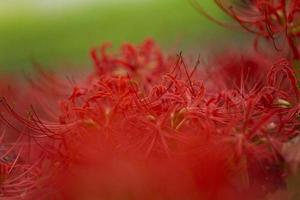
{"x":148,"y":126}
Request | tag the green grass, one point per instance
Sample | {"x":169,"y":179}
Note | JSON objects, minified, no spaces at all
{"x":63,"y":37}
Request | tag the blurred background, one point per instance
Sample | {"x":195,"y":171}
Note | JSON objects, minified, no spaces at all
{"x":59,"y":33}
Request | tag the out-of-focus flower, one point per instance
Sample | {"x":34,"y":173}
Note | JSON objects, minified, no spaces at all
{"x":269,"y":19}
{"x":276,"y":20}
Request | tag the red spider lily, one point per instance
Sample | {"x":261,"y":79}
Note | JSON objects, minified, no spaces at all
{"x":268,"y":19}
{"x":145,"y":61}
{"x":144,"y":125}
{"x":275,"y":20}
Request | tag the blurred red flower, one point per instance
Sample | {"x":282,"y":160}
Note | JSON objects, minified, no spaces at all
{"x":269,"y":19}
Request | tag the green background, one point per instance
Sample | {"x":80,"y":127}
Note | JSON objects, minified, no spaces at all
{"x":59,"y":33}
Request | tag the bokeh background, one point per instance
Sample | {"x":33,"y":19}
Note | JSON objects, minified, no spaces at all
{"x":59,"y":33}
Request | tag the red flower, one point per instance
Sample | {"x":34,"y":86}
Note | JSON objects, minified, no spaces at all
{"x":144,"y":125}
{"x":269,"y":19}
{"x":275,"y":20}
